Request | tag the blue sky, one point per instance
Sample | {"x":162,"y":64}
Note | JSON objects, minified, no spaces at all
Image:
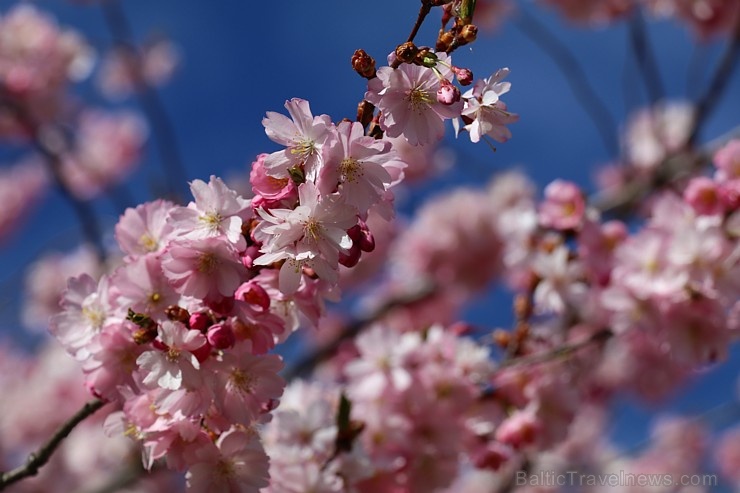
{"x":241,"y":59}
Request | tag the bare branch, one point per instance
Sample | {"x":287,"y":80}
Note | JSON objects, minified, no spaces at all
{"x":148,"y":98}
{"x":574,"y":75}
{"x":559,"y":352}
{"x":718,"y":83}
{"x":645,"y":56}
{"x":37,"y":459}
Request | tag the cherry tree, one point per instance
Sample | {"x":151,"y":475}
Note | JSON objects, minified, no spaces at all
{"x":288,"y":332}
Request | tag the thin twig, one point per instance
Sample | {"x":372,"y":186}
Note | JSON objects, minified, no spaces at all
{"x":718,"y":83}
{"x":559,"y":352}
{"x":574,"y":75}
{"x":149,"y":100}
{"x":426,"y":7}
{"x":645,"y":56}
{"x":37,"y":459}
{"x":308,"y":363}
{"x":673,"y":168}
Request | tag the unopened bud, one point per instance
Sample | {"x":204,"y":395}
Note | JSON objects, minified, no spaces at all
{"x":363,"y":64}
{"x":468,"y":34}
{"x":426,"y":58}
{"x":406,"y":52}
{"x":444,"y":41}
{"x":199,"y":321}
{"x":448,"y":93}
{"x":221,"y":336}
{"x":297,"y":175}
{"x":178,"y":314}
{"x":464,"y":75}
{"x":350,"y":259}
{"x":144,"y":336}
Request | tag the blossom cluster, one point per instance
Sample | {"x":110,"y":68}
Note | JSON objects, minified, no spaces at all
{"x":179,"y":335}
{"x":415,"y":100}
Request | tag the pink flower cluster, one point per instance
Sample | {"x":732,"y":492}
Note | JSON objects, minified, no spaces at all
{"x":106,"y":150}
{"x":178,"y":335}
{"x":39,"y":393}
{"x":419,"y":400}
{"x":415,"y":100}
{"x":37,"y":60}
{"x":22,"y":186}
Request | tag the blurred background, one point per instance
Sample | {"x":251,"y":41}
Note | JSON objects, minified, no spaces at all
{"x":236,"y":60}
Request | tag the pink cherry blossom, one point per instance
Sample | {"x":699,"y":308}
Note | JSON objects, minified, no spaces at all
{"x":205,"y":268}
{"x":303,"y":134}
{"x":563,"y":207}
{"x":484,"y":112}
{"x":144,"y":229}
{"x":236,"y":463}
{"x":175,"y":365}
{"x":407,"y":98}
{"x":359,"y":166}
{"x":216,"y":211}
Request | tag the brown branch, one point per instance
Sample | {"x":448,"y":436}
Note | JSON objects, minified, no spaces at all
{"x":718,"y":83}
{"x":673,"y":168}
{"x":426,"y":7}
{"x":149,"y":99}
{"x":37,"y":459}
{"x":559,"y":352}
{"x":574,"y":74}
{"x":645,"y":56}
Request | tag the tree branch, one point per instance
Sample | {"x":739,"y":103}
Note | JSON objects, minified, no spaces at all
{"x":37,"y":459}
{"x":673,"y":168}
{"x":574,"y":75}
{"x":718,"y":83}
{"x":149,"y":100}
{"x":645,"y":56}
{"x":559,"y":352}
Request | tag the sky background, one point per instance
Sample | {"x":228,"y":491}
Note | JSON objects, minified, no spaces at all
{"x":243,"y":58}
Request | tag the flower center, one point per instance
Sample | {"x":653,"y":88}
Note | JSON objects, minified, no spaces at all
{"x":207,"y":262}
{"x":419,"y":99}
{"x":350,"y":169}
{"x":173,"y":354}
{"x":148,"y":243}
{"x":241,"y":381}
{"x":212,"y":220}
{"x":304,"y":148}
{"x":95,"y":316}
{"x":312,"y":229}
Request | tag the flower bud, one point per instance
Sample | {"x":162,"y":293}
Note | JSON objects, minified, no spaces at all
{"x":444,"y":41}
{"x":254,"y":294}
{"x":464,"y":75}
{"x":177,"y":314}
{"x":363,"y":64}
{"x":350,"y":259}
{"x":199,"y":321}
{"x":467,"y":34}
{"x":203,"y":352}
{"x":406,"y":52}
{"x":365,"y":112}
{"x":448,"y":93}
{"x":221,"y":336}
